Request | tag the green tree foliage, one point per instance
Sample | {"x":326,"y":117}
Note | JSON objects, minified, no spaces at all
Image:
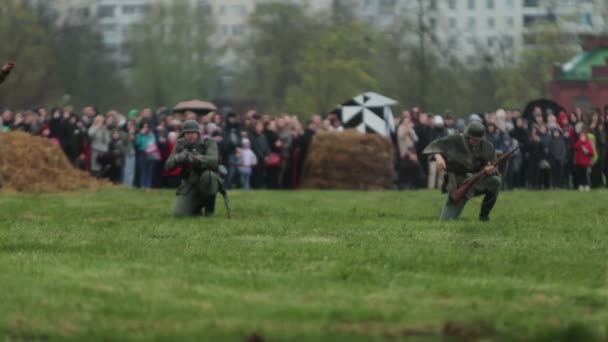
{"x":25,"y":40}
{"x":415,"y":69}
{"x":529,"y":79}
{"x":279,"y":34}
{"x":85,"y":72}
{"x":334,"y":66}
{"x":173,"y":59}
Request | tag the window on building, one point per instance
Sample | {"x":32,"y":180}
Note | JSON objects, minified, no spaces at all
{"x":490,"y":4}
{"x":471,"y":59}
{"x":453,"y":43}
{"x":432,"y":23}
{"x":386,"y":6}
{"x":491,"y":23}
{"x":225,"y":30}
{"x":112,"y":48}
{"x":84,"y":12}
{"x":106,"y":11}
{"x":471,"y":23}
{"x":238,"y":30}
{"x":452,"y":4}
{"x":491,"y":41}
{"x":471,"y":4}
{"x":453,"y":22}
{"x":233,"y":10}
{"x":108,"y":28}
{"x":510,"y":4}
{"x":531,"y":3}
{"x":510,"y":22}
{"x":530,"y":20}
{"x":586,"y":19}
{"x":129,"y":9}
{"x":508,"y":42}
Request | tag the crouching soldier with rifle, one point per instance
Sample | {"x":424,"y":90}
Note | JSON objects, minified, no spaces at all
{"x":469,"y":162}
{"x":200,"y":180}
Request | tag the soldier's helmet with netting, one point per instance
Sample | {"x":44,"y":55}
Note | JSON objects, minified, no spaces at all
{"x":190,"y":126}
{"x":475,"y":129}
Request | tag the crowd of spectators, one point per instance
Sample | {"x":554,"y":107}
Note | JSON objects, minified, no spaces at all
{"x":557,"y":150}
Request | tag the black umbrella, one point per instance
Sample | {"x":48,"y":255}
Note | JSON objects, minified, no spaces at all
{"x":544,"y":104}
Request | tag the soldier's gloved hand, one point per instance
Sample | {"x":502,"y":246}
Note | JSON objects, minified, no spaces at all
{"x":181,"y":158}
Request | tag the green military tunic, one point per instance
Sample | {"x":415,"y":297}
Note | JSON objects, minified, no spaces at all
{"x":462,"y":160}
{"x":200,"y":180}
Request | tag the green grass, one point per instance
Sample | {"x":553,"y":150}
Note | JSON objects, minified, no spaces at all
{"x":332,"y":266}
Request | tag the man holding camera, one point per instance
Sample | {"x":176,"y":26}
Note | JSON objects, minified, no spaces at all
{"x":200,"y":181}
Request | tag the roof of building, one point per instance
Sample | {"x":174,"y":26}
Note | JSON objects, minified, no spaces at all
{"x":580,"y":67}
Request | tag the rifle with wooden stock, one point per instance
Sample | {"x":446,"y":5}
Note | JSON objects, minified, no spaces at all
{"x":459,"y":193}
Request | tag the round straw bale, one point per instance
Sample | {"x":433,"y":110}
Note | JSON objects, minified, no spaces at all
{"x":349,"y":160}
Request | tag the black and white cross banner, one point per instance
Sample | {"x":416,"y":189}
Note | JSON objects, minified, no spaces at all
{"x":369,"y":113}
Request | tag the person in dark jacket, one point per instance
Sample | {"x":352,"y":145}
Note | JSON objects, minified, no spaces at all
{"x":76,"y":138}
{"x":558,"y":153}
{"x":261,"y":148}
{"x":6,"y":70}
{"x":232,"y":140}
{"x":522,"y":136}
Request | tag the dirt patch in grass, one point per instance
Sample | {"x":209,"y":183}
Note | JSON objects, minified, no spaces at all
{"x":459,"y":331}
{"x":255,"y":337}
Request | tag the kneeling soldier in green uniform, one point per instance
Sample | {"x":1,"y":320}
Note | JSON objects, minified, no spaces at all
{"x":462,"y":155}
{"x":200,"y":181}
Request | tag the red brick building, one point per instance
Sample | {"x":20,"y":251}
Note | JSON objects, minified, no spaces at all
{"x":583,"y":81}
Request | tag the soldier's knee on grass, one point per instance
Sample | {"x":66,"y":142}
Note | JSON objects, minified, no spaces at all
{"x":183,"y":207}
{"x":493,"y":183}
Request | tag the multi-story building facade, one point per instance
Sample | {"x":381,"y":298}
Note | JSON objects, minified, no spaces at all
{"x":467,"y":29}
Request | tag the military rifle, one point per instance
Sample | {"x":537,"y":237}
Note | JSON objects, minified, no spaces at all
{"x":459,"y":193}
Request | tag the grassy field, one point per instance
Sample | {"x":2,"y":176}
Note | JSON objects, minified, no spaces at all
{"x":331,"y":266}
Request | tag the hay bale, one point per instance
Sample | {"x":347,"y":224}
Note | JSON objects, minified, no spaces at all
{"x":349,"y":160}
{"x":29,"y":163}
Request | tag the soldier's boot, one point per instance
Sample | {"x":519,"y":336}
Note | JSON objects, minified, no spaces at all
{"x":486,"y":206}
{"x":210,"y":206}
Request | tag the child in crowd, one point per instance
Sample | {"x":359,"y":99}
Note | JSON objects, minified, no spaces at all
{"x":246,"y":161}
{"x":583,"y":155}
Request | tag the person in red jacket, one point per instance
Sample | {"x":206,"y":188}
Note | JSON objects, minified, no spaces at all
{"x":583,"y":157}
{"x":171,"y":178}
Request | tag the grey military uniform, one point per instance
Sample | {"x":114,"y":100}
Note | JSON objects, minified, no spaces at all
{"x":200,"y":181}
{"x":462,"y":160}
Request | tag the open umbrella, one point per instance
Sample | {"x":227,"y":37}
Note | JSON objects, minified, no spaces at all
{"x":197,"y":106}
{"x":368,"y":113}
{"x":544,"y":104}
